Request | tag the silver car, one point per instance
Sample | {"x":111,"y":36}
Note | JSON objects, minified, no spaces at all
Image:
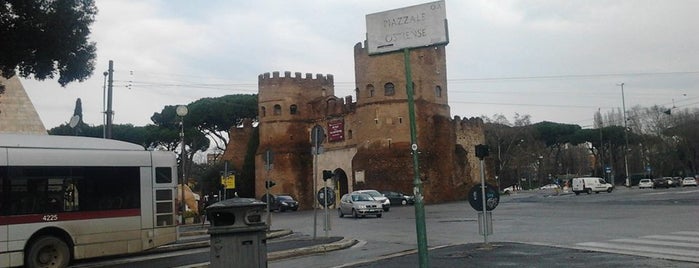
{"x":359,"y":204}
{"x":378,"y":197}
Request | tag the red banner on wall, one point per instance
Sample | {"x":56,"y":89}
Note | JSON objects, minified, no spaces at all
{"x":336,"y":130}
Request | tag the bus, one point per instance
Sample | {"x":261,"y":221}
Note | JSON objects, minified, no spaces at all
{"x":66,"y":198}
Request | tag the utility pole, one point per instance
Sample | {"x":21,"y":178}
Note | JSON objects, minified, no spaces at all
{"x":109,"y":112}
{"x":626,"y":136}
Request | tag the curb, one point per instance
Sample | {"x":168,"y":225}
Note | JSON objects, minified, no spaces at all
{"x":207,"y":243}
{"x":342,"y":244}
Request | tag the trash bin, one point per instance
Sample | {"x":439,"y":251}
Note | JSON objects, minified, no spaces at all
{"x":238,"y":233}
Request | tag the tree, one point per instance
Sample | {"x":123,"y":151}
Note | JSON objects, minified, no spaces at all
{"x":47,"y":37}
{"x":216,"y":116}
{"x":166,"y":134}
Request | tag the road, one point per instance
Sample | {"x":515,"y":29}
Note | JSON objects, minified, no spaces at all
{"x":593,"y":222}
{"x":650,"y":222}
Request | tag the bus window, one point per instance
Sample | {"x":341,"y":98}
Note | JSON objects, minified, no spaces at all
{"x":66,"y":189}
{"x":71,"y":196}
{"x":3,"y":192}
{"x":163,"y":175}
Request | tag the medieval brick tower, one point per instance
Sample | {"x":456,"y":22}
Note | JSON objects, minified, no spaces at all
{"x":367,"y":142}
{"x":285,"y":112}
{"x":384,"y":154}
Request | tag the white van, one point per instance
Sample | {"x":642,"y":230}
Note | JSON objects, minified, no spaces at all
{"x":591,"y":184}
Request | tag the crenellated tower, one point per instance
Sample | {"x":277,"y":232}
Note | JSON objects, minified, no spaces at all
{"x":383,"y":150}
{"x":286,"y":115}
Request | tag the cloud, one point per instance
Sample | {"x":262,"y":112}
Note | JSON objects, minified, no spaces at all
{"x":554,"y":60}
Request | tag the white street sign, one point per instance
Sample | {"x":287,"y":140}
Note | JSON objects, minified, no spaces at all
{"x":408,"y":27}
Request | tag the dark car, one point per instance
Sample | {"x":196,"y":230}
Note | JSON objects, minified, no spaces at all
{"x":398,"y":198}
{"x":284,"y":203}
{"x":664,"y":182}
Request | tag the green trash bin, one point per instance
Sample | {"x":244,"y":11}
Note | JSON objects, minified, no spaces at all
{"x":238,"y":233}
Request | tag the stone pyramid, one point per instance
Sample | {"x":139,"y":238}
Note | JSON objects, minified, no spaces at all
{"x":17,"y":113}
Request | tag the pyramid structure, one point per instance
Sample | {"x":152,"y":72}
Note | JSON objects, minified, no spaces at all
{"x":17,"y":113}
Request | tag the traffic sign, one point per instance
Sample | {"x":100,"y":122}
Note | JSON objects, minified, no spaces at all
{"x":331,"y":196}
{"x":475,"y":197}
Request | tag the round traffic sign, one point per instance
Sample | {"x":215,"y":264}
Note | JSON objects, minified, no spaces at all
{"x":475,"y":197}
{"x":330,"y":194}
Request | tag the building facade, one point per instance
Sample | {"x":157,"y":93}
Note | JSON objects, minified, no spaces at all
{"x":367,"y":141}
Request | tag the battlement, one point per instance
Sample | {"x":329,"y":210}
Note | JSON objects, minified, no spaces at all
{"x":275,"y":78}
{"x":360,"y":47}
{"x":468,"y":123}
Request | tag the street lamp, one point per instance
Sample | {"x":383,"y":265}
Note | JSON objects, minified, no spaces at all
{"x":181,"y":112}
{"x":626,"y":136}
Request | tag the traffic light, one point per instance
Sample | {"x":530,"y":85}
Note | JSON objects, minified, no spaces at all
{"x":327,"y":174}
{"x":481,"y":151}
{"x":269,"y":184}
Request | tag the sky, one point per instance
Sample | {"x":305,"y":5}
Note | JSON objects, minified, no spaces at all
{"x":558,"y":61}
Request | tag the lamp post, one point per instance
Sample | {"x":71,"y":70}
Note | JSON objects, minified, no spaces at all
{"x":181,"y":112}
{"x":626,"y":136}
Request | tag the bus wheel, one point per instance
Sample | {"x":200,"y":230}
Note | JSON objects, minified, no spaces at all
{"x":47,"y":251}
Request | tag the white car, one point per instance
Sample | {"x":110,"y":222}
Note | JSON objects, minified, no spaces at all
{"x":550,"y":186}
{"x":645,"y":183}
{"x":689,"y":181}
{"x":378,"y":197}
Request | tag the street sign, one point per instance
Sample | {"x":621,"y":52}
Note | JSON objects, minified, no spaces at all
{"x":608,"y":170}
{"x":330,"y":194}
{"x":317,"y":138}
{"x":269,"y":160}
{"x":475,"y":197}
{"x":408,"y":27}
{"x":228,"y":182}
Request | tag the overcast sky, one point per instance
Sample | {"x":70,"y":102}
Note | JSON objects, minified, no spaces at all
{"x":557,"y":61}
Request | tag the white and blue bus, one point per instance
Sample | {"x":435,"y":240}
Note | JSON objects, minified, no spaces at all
{"x":66,"y":198}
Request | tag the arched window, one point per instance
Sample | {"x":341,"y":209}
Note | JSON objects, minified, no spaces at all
{"x":438,"y":91}
{"x":263,"y":111}
{"x":277,"y":109}
{"x":370,"y":90}
{"x":389,"y":89}
{"x":293,"y":109}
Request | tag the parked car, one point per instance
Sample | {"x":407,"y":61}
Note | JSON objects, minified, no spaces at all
{"x":689,"y":181}
{"x":359,"y":204}
{"x":645,"y":183}
{"x":549,"y":186}
{"x":284,"y":203}
{"x":665,"y":182}
{"x":398,"y":198}
{"x":591,"y":184}
{"x":510,"y":190}
{"x":379,"y":197}
{"x":676,"y":182}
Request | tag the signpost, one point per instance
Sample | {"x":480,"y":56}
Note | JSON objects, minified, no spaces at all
{"x":402,"y":29}
{"x":317,"y":137}
{"x":269,"y":159}
{"x":487,"y":200}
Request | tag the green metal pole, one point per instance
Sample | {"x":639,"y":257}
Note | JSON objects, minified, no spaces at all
{"x":417,"y":189}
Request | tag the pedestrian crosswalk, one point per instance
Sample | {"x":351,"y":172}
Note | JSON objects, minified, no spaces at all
{"x":681,"y":246}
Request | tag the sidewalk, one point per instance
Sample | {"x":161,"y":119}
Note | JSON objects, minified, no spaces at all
{"x":280,"y":243}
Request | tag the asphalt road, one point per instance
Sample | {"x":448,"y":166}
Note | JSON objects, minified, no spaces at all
{"x":655,"y":227}
{"x":618,"y":222}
